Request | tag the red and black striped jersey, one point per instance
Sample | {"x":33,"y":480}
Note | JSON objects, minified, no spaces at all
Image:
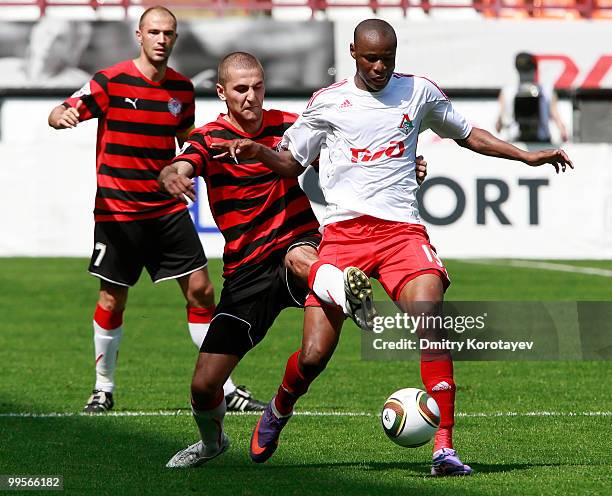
{"x":138,"y":120}
{"x":257,"y":211}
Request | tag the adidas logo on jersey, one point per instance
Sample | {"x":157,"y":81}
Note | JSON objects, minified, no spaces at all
{"x":442,"y":386}
{"x":346,"y":104}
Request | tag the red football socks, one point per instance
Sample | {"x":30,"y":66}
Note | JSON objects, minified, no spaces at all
{"x":293,"y":386}
{"x":437,"y":376}
{"x":197,"y":315}
{"x":106,"y":319}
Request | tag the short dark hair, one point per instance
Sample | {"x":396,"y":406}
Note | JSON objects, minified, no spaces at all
{"x":382,"y":27}
{"x":525,"y":61}
{"x":155,"y":8}
{"x":236,"y":60}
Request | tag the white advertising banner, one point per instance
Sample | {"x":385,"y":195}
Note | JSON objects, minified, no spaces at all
{"x":475,"y":206}
{"x":18,"y":114}
{"x":478,"y":206}
{"x":480,"y":54}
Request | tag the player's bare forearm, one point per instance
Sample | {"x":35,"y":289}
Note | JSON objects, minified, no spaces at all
{"x":281,"y":162}
{"x":175,"y":180}
{"x":483,"y":142}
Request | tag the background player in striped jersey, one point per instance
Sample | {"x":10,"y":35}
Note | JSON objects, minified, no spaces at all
{"x":143,"y":106}
{"x":268,"y":226}
{"x":368,"y":126}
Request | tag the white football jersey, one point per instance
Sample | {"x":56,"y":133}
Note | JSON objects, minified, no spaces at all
{"x":366,"y":143}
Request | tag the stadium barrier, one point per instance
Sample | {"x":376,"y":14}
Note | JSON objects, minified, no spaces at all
{"x":300,"y":56}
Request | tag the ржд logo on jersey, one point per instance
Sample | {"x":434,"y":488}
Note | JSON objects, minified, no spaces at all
{"x":406,"y":125}
{"x":174,"y":106}
{"x":393,"y":149}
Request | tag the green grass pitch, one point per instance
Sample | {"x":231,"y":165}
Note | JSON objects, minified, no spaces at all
{"x":46,"y":365}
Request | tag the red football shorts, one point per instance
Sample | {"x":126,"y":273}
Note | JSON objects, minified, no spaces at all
{"x":392,"y":252}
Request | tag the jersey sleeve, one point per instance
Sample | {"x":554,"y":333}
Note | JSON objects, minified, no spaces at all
{"x":195,"y":151}
{"x":94,"y":96}
{"x":306,"y":136}
{"x":441,"y":116}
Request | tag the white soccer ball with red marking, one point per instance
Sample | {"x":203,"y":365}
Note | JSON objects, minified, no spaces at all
{"x":410,"y":417}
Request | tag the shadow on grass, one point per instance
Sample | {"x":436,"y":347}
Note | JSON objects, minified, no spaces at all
{"x":415,"y":469}
{"x":126,"y":455}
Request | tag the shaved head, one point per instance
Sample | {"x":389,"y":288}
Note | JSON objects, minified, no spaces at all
{"x":160,"y":9}
{"x":237,"y":61}
{"x":374,"y":30}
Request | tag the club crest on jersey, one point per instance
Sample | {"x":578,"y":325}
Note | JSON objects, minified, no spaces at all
{"x":83,"y":91}
{"x":406,"y":125}
{"x":174,"y":106}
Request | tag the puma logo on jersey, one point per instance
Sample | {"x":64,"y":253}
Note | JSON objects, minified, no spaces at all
{"x":131,"y":102}
{"x":406,"y":125}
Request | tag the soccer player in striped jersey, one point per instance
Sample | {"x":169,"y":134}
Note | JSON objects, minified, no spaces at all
{"x":271,"y":235}
{"x":368,"y":126}
{"x":143,"y":107}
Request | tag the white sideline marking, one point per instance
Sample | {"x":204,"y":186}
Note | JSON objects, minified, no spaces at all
{"x":187,"y":413}
{"x":527,"y":264}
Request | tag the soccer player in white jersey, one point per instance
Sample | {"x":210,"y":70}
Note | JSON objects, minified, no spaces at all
{"x":365,"y":130}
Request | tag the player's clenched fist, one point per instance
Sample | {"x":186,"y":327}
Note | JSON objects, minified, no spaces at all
{"x":63,"y":118}
{"x":421,"y":169}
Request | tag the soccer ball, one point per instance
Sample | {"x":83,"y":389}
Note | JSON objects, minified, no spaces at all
{"x":410,"y":417}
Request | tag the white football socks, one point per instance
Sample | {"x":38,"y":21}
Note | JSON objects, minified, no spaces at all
{"x":229,"y":386}
{"x":198,"y":333}
{"x":106,"y":345}
{"x":210,"y":425}
{"x":328,"y":285}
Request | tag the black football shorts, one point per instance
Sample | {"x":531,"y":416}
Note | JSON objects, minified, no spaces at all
{"x":251,"y":300}
{"x":168,"y":247}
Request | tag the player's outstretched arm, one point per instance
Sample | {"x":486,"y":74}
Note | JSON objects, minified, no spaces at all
{"x":175,"y":179}
{"x":64,"y":118}
{"x":483,"y":142}
{"x":281,"y":162}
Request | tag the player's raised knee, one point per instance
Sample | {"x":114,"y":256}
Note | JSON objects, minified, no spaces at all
{"x":299,"y":260}
{"x":201,"y":292}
